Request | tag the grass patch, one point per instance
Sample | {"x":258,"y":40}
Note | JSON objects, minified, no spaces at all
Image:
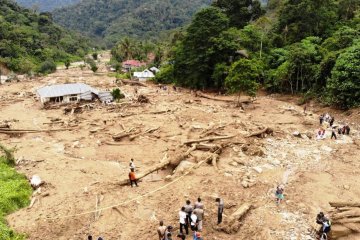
{"x":15,"y":193}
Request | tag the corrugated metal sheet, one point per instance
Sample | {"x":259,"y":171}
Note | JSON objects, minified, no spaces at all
{"x":105,"y":96}
{"x":145,"y":74}
{"x":86,"y":96}
{"x":65,"y":89}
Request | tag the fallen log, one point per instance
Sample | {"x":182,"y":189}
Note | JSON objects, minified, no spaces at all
{"x":350,"y":213}
{"x":344,"y":204}
{"x":233,"y":224}
{"x":207,"y":139}
{"x":200,"y":94}
{"x":22,"y":131}
{"x":118,"y":137}
{"x":241,"y":211}
{"x":133,"y":83}
{"x":348,"y":220}
{"x":262,"y":133}
{"x":172,"y":162}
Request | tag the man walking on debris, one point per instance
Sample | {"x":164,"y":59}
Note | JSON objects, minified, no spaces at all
{"x":132,"y":178}
{"x":220,"y":204}
{"x":188,"y":210}
{"x":161,"y":230}
{"x":182,"y":220}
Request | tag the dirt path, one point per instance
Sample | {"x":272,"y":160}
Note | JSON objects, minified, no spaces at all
{"x":80,"y":165}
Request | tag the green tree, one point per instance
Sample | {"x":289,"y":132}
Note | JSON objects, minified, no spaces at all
{"x":240,"y":12}
{"x":344,"y":86}
{"x":47,"y":67}
{"x":94,"y":55}
{"x":196,"y":56}
{"x":300,"y":19}
{"x":243,"y":77}
{"x":67,"y":63}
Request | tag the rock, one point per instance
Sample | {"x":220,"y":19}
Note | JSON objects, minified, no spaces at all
{"x":245,"y":184}
{"x":258,"y":169}
{"x":274,"y":162}
{"x":168,"y":178}
{"x":346,"y":187}
{"x":184,"y":166}
{"x":76,"y":144}
{"x":227,"y":174}
{"x":326,"y":148}
{"x":297,"y":134}
{"x":235,"y":164}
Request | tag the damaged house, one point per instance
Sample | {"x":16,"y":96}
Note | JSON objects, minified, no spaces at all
{"x":72,"y":92}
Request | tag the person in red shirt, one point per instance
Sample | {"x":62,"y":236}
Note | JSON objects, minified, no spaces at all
{"x":132,"y":178}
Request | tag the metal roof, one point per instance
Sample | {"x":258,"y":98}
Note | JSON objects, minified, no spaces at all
{"x":65,"y":89}
{"x":145,"y":74}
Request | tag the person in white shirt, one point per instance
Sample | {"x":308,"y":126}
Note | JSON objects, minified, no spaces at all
{"x":193,"y":221}
{"x":132,"y":164}
{"x":182,"y":220}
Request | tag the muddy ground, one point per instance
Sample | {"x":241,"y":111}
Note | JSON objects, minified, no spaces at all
{"x":83,"y":163}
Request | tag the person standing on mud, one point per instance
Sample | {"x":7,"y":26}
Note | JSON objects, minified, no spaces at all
{"x":333,"y":133}
{"x":161,"y":230}
{"x":199,"y":212}
{"x":199,"y":204}
{"x":132,"y":178}
{"x":220,"y":204}
{"x":188,"y":210}
{"x":132,"y":164}
{"x":182,"y":220}
{"x":279,"y":194}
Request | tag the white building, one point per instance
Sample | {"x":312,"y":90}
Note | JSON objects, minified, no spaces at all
{"x":144,"y":75}
{"x":73,"y":92}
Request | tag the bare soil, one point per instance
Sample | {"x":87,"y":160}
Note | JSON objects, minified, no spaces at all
{"x":84,"y":164}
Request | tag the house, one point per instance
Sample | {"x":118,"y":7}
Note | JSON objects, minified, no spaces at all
{"x":144,"y":75}
{"x":73,"y":92}
{"x":129,"y":64}
{"x":155,"y":70}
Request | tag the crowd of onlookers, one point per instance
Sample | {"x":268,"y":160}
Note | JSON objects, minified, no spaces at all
{"x":327,"y":122}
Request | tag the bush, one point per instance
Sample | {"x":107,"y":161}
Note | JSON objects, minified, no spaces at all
{"x":47,"y":67}
{"x":95,"y":55}
{"x":117,"y":94}
{"x":15,"y":193}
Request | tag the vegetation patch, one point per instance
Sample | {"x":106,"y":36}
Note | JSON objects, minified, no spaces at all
{"x":15,"y":193}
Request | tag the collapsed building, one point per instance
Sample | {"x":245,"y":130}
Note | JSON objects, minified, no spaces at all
{"x":72,"y":92}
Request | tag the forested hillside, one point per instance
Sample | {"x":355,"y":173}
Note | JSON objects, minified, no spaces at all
{"x":45,"y":5}
{"x":116,"y":19}
{"x":301,"y":47}
{"x":33,"y":43}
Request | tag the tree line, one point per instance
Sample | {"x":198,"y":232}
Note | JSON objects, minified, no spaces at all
{"x":31,"y":42}
{"x":300,"y":47}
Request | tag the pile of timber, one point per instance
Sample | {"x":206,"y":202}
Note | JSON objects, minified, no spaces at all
{"x":345,"y":218}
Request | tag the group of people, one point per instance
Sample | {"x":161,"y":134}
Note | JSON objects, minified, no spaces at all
{"x":190,"y":217}
{"x":326,"y":120}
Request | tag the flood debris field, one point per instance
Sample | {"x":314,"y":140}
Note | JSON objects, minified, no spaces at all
{"x":198,"y":146}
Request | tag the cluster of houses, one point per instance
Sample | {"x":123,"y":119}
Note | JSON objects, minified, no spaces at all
{"x":142,"y":76}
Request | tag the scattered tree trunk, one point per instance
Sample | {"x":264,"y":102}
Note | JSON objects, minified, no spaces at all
{"x":207,"y":139}
{"x":200,"y":94}
{"x":344,"y":204}
{"x":262,"y":133}
{"x":133,"y":83}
